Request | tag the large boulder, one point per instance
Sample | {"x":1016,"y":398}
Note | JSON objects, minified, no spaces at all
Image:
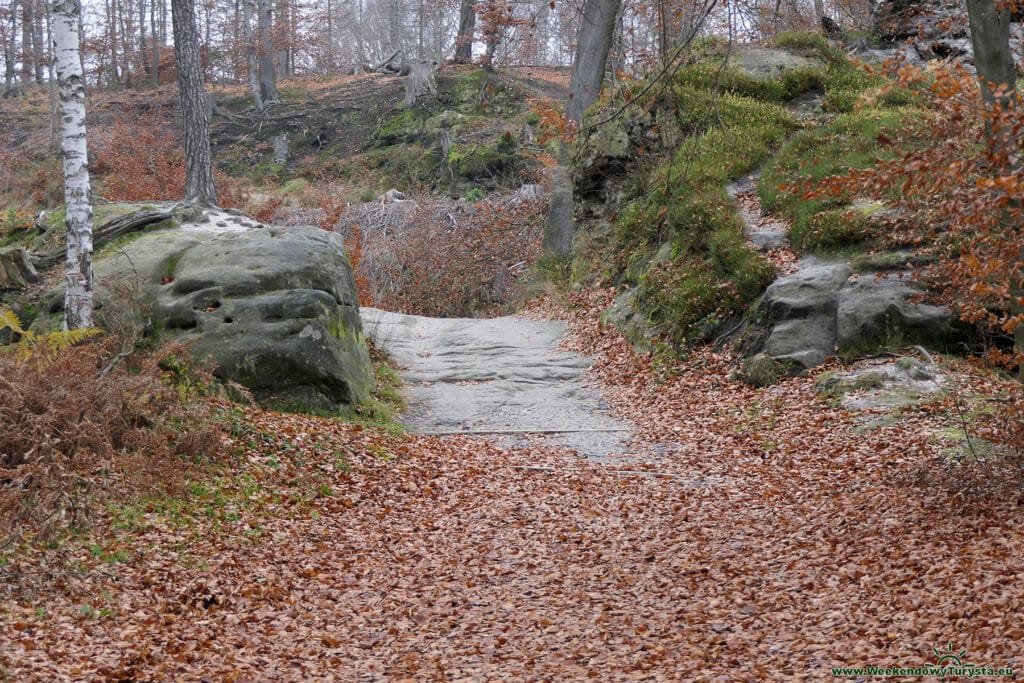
{"x":272,"y":308}
{"x":824,"y":309}
{"x":767,"y":63}
{"x":801,"y":309}
{"x":879,"y":310}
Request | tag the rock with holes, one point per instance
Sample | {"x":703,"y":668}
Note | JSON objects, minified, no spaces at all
{"x":271,"y":308}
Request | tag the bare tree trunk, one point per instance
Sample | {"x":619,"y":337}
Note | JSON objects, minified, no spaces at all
{"x":250,"y":55}
{"x":268,"y":80}
{"x":561,"y":222}
{"x":199,"y":187}
{"x":26,"y":41}
{"x":329,"y":51}
{"x":156,"y":43}
{"x":143,"y":50}
{"x":360,"y":50}
{"x":39,"y":50}
{"x":78,"y":209}
{"x":990,"y":37}
{"x":115,"y":75}
{"x":591,"y":55}
{"x":12,"y":88}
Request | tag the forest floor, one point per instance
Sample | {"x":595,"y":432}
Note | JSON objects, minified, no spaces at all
{"x":779,"y":536}
{"x":752,"y":534}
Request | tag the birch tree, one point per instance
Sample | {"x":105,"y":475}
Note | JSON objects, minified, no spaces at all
{"x":78,"y":209}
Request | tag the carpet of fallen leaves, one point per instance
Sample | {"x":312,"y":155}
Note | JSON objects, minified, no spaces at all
{"x":774,"y":538}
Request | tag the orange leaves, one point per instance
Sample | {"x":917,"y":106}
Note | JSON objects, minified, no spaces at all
{"x":552,"y":123}
{"x":138,"y":159}
{"x":784,"y":539}
{"x":958,"y":199}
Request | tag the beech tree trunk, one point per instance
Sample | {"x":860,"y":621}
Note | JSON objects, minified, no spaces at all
{"x":199,"y":187}
{"x":467,"y":27}
{"x":997,"y":76}
{"x":592,"y":49}
{"x":990,"y":36}
{"x":268,"y":79}
{"x":78,"y":209}
{"x":250,"y":54}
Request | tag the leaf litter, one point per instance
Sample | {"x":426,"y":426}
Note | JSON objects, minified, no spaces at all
{"x":786,"y":542}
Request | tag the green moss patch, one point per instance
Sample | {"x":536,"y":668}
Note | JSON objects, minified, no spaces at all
{"x":682,"y":241}
{"x":852,"y":141}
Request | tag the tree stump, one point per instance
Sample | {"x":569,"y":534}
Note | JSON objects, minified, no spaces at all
{"x":421,"y":82}
{"x":16,"y":270}
{"x":280,"y":149}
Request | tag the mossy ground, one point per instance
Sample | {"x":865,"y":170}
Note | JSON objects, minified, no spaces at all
{"x":854,"y":140}
{"x":675,"y":234}
{"x":678,"y":236}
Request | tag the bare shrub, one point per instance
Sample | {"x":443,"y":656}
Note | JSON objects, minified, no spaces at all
{"x":139,"y":158}
{"x":444,"y":259}
{"x":75,"y":439}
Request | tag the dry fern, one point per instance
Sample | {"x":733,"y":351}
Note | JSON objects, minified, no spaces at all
{"x":32,"y":345}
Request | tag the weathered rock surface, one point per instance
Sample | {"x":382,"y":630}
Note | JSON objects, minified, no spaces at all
{"x":767,"y":63}
{"x":883,"y":383}
{"x":935,"y":29}
{"x":272,"y":308}
{"x":872,"y":311}
{"x":823,"y":309}
{"x":499,"y":376}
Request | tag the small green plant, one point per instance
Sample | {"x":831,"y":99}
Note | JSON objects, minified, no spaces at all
{"x":31,"y":345}
{"x":475,"y":195}
{"x":181,"y":376}
{"x":801,"y":40}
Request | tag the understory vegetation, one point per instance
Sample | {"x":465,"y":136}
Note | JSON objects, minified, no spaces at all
{"x":81,"y":433}
{"x":676,"y":235}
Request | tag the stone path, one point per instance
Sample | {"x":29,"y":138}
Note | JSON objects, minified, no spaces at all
{"x":500,"y":376}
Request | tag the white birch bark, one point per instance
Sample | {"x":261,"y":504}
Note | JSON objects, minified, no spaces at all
{"x":79,"y":296}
